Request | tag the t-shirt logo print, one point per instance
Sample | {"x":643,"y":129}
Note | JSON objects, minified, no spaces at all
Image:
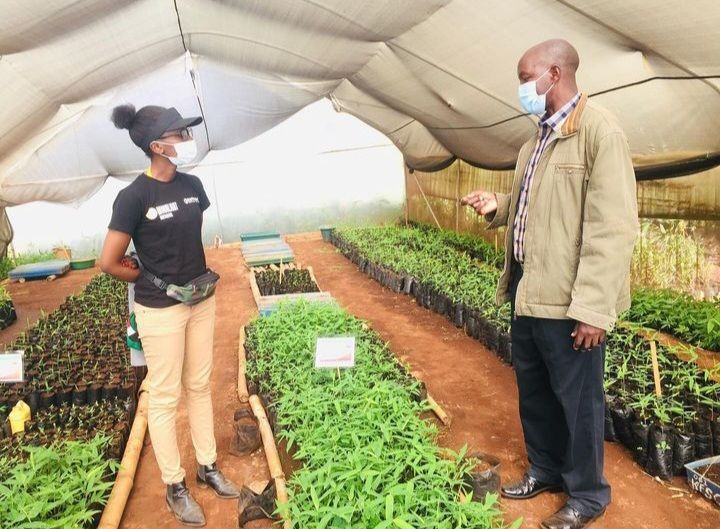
{"x":164,"y":211}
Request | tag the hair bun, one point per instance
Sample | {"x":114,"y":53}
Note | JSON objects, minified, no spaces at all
{"x":123,"y":116}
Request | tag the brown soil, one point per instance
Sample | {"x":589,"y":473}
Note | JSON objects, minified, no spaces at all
{"x":36,"y":296}
{"x":710,"y":472}
{"x":480,"y":394}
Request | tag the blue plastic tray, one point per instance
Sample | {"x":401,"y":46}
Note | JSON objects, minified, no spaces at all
{"x":37,"y":270}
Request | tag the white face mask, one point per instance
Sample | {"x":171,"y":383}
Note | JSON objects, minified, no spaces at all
{"x":185,"y":152}
{"x":530,"y":100}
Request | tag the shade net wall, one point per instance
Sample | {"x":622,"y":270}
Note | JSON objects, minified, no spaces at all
{"x":434,"y":198}
{"x":438,"y":77}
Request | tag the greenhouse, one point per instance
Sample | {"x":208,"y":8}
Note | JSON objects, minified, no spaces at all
{"x":359,"y":265}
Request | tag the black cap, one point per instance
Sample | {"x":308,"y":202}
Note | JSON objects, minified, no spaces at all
{"x":150,"y":122}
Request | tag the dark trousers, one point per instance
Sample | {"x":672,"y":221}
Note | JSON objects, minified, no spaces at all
{"x":562,"y":406}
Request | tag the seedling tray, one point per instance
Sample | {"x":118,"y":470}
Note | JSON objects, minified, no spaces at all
{"x":39,"y":270}
{"x":268,"y":304}
{"x":265,"y":251}
{"x":702,"y":484}
{"x":254,"y":235}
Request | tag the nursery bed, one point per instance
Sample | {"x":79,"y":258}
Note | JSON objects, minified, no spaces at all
{"x":480,"y":393}
{"x":300,"y":283}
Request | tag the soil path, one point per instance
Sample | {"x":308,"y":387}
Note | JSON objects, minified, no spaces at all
{"x":235,"y":307}
{"x":480,"y":394}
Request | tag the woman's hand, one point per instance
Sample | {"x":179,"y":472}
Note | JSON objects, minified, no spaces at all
{"x":113,"y":260}
{"x":129,"y":262}
{"x":484,"y":202}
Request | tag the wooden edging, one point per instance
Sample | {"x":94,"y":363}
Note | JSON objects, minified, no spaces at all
{"x":268,"y":439}
{"x":269,"y":302}
{"x":312,"y":276}
{"x":125,"y":479}
{"x":271,"y":454}
{"x":254,"y":288}
{"x":242,"y":389}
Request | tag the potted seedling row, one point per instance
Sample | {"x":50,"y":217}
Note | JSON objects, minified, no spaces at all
{"x":77,"y":353}
{"x":73,"y":423}
{"x":450,"y":281}
{"x":7,"y":309}
{"x":663,"y":433}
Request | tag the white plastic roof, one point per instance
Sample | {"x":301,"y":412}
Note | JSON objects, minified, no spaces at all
{"x":438,"y":77}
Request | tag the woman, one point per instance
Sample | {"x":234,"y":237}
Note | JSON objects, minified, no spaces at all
{"x":162,"y":212}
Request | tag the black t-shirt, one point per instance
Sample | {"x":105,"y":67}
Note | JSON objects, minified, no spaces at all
{"x":164,"y":220}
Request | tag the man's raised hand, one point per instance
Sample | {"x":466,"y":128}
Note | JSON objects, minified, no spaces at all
{"x":483,"y":202}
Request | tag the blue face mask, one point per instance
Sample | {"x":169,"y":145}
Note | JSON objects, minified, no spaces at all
{"x":530,"y":100}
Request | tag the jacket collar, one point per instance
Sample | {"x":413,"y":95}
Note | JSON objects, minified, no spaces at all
{"x":572,"y":124}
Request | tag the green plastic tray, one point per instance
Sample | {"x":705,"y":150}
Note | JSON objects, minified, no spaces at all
{"x":252,"y":236}
{"x":82,"y":263}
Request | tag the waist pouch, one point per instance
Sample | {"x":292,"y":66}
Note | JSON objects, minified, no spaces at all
{"x":192,"y":292}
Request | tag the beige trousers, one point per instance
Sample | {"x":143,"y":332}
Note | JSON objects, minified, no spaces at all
{"x":178,"y":346}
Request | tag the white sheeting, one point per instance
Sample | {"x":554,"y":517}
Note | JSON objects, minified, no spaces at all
{"x":438,"y":77}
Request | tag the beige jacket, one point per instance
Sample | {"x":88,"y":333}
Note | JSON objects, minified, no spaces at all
{"x":582,"y":223}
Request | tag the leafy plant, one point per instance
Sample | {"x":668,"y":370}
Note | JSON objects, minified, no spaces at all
{"x":696,"y":322}
{"x":271,"y":282}
{"x":368,"y":459}
{"x":425,"y":255}
{"x":56,"y":487}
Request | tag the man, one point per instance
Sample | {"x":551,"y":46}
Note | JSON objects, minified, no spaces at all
{"x":572,"y":224}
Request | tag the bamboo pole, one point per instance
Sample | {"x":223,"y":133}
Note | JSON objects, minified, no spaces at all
{"x":242,"y":389}
{"x":112,"y":514}
{"x":271,"y":454}
{"x":656,"y":368}
{"x":407,"y":200}
{"x":437,"y":409}
{"x":434,"y":406}
{"x":427,"y":203}
{"x":457,"y":199}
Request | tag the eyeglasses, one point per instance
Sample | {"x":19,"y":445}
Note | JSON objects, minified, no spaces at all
{"x":185,"y":134}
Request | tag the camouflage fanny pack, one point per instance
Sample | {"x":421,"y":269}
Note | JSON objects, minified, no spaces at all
{"x":192,"y":292}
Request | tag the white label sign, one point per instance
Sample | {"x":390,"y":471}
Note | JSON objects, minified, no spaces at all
{"x":11,"y":367}
{"x":335,"y":352}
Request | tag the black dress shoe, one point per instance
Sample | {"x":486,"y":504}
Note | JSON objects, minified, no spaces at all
{"x":527,"y":487}
{"x":210,"y":476}
{"x":183,"y":506}
{"x":569,"y":518}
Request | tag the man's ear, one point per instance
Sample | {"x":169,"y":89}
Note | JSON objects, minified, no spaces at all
{"x":555,"y":73}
